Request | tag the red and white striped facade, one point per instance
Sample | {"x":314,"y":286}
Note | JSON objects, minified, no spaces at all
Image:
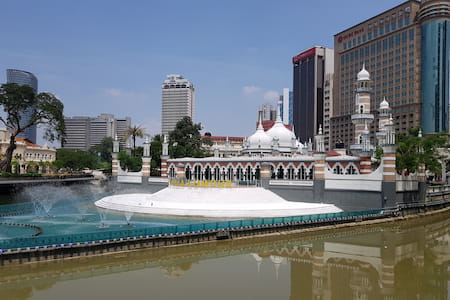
{"x":299,"y":167}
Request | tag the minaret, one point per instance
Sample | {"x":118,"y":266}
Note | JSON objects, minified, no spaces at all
{"x":383,"y":120}
{"x":362,"y":118}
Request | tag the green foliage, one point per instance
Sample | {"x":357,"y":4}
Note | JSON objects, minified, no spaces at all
{"x":129,"y":162}
{"x":185,"y":140}
{"x":104,"y":148}
{"x":105,"y":167}
{"x":156,"y":152}
{"x":134,"y":132}
{"x":48,"y":112}
{"x":413,"y":151}
{"x":74,"y":160}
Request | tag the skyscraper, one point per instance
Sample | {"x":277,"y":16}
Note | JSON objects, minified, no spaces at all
{"x":310,"y":68}
{"x":434,"y":19}
{"x":406,"y":50}
{"x":177,"y":102}
{"x":286,"y":106}
{"x":84,"y":132}
{"x":24,"y":78}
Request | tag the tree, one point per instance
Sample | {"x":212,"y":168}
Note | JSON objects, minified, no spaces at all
{"x":134,"y":132}
{"x":74,"y":160}
{"x":185,"y":139}
{"x":48,"y":111}
{"x":104,"y":148}
{"x":413,"y":150}
{"x":156,"y":151}
{"x":129,"y":162}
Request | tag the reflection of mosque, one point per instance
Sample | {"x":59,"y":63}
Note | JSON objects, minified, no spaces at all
{"x":376,"y":266}
{"x":362,"y":263}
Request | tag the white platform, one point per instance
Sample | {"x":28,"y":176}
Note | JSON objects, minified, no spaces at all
{"x":213,"y":202}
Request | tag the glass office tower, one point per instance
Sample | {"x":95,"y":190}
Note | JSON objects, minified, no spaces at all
{"x":24,"y":78}
{"x":434,"y":17}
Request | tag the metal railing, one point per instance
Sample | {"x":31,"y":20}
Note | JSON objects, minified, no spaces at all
{"x":68,"y":240}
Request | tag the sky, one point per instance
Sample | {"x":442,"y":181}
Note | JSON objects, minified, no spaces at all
{"x":111,"y":56}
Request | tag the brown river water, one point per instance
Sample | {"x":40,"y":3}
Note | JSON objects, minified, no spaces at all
{"x":402,"y":260}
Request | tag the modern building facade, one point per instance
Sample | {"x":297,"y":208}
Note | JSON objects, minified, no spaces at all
{"x":285,"y":104}
{"x":434,"y":20}
{"x":178,"y":99}
{"x":268,"y":112}
{"x":85,"y":132}
{"x":310,"y":68}
{"x":24,"y":78}
{"x":406,"y":50}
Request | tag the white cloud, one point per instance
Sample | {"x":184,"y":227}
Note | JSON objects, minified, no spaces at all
{"x":114,"y":92}
{"x":271,"y":96}
{"x":250,"y":90}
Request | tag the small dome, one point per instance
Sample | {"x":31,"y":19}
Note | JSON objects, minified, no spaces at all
{"x":384,"y":104}
{"x":286,"y":139}
{"x":260,"y":141}
{"x":363,"y":74}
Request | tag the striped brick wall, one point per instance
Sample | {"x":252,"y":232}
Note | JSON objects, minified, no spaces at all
{"x":146,"y":166}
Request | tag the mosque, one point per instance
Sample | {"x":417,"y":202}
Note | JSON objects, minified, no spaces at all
{"x":301,"y":172}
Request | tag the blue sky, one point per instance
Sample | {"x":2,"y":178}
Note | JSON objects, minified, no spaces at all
{"x":112,"y":56}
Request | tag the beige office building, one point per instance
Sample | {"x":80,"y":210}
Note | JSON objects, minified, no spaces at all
{"x":389,"y":45}
{"x":177,"y":102}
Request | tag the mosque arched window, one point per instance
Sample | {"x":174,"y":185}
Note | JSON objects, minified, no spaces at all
{"x":197,"y":172}
{"x":230,"y":173}
{"x":258,"y":173}
{"x":172,"y":172}
{"x":301,"y":175}
{"x":208,"y":173}
{"x":248,"y":173}
{"x":280,"y":173}
{"x":239,"y":173}
{"x":350,"y":170}
{"x":216,"y":173}
{"x":272,"y":172}
{"x":188,"y":173}
{"x":291,"y":173}
{"x":337,"y":169}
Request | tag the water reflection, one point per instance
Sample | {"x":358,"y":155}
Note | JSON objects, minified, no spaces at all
{"x":405,"y":261}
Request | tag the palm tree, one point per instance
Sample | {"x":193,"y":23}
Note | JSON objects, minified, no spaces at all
{"x":133,"y":132}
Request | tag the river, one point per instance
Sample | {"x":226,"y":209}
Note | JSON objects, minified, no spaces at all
{"x":405,"y":260}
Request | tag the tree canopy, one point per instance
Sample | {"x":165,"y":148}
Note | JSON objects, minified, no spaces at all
{"x":134,"y":132}
{"x":47,"y":110}
{"x":74,"y":160}
{"x":185,"y":139}
{"x":413,"y":150}
{"x":104,"y":148}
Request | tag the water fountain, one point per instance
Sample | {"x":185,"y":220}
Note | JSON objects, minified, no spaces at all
{"x":102,"y":214}
{"x":128,"y":216}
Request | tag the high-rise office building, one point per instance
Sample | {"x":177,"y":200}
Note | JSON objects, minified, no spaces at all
{"x":85,"y":132}
{"x":24,"y":78}
{"x":286,"y":106}
{"x":268,"y":112}
{"x":434,"y":20}
{"x":406,"y":50}
{"x":310,"y":68}
{"x":178,"y":100}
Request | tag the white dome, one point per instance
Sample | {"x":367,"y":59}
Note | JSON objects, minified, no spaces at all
{"x":259,"y":140}
{"x":363,"y":74}
{"x":286,"y":138}
{"x":384,"y":104}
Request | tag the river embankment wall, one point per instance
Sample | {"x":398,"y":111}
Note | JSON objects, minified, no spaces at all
{"x":101,"y":247}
